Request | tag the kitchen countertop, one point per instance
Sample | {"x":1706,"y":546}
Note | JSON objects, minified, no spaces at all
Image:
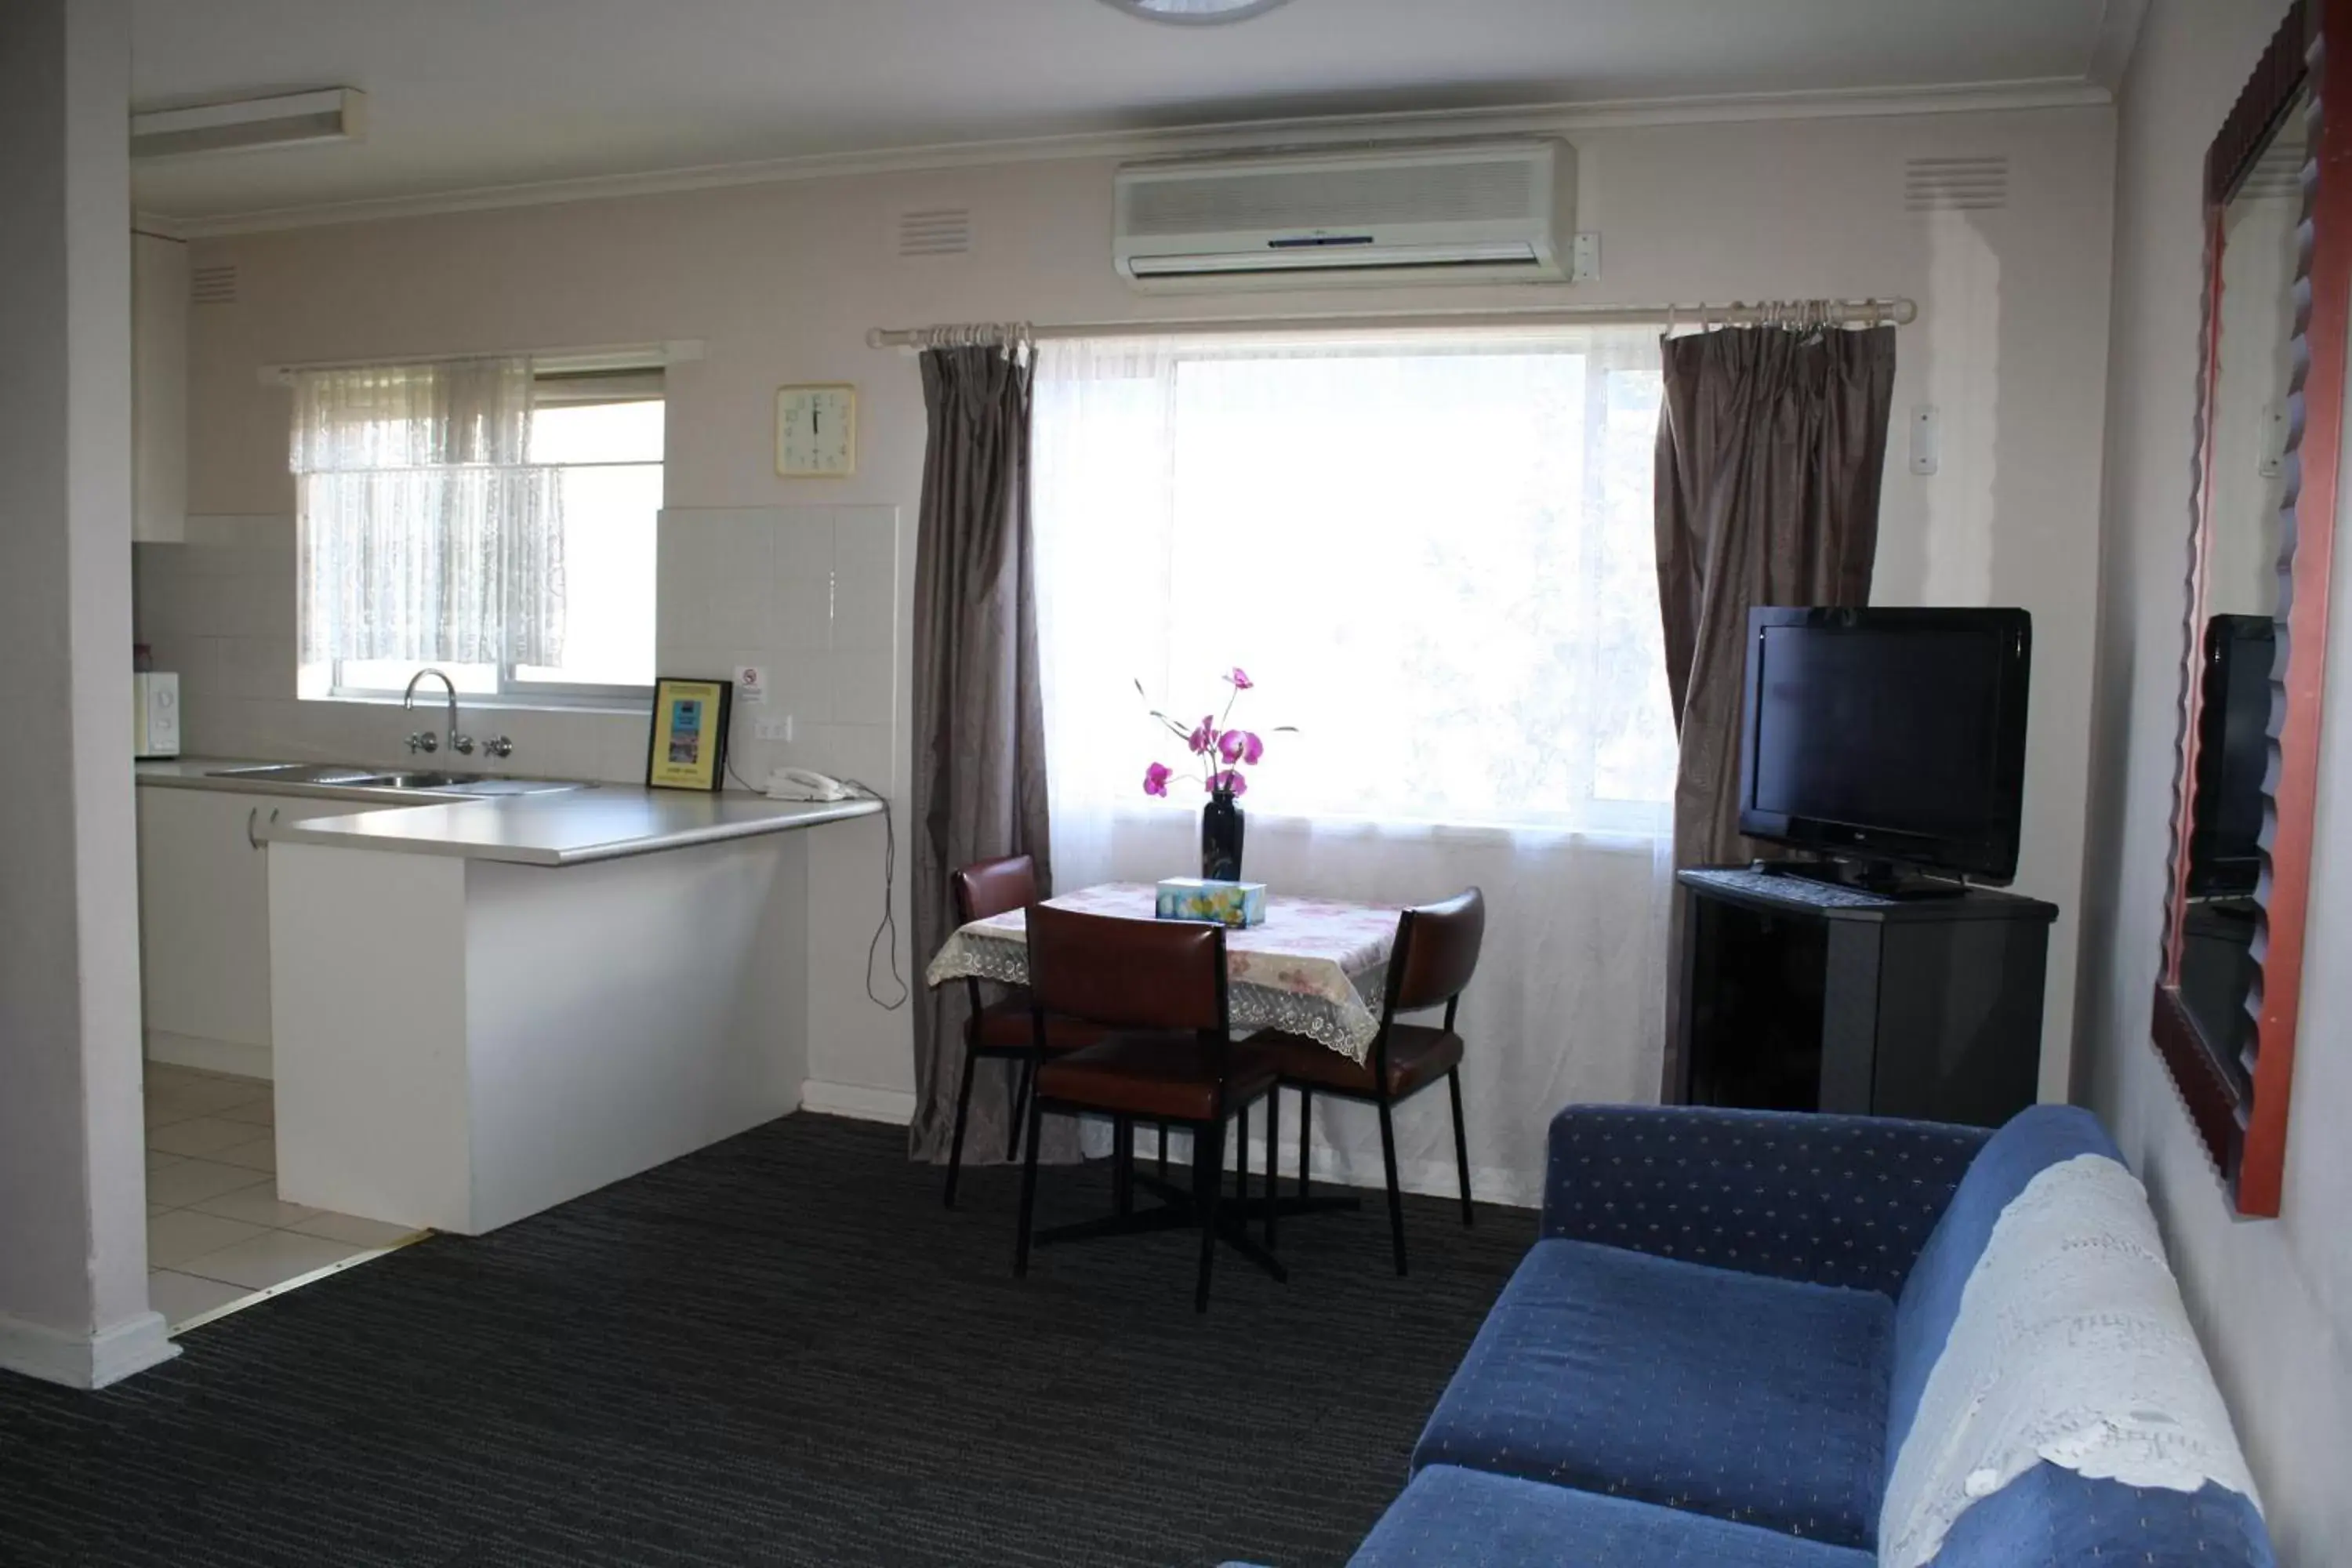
{"x":604,"y":822}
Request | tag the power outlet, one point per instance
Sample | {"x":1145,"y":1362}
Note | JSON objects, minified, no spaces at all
{"x":751,"y":684}
{"x":777,"y":728}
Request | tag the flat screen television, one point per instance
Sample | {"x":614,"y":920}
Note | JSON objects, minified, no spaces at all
{"x":1891,"y":737}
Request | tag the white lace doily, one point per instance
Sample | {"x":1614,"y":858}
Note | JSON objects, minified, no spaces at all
{"x":2071,"y":1345}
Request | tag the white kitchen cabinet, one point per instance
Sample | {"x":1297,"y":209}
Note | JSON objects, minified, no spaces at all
{"x":159,"y":389}
{"x":203,"y":922}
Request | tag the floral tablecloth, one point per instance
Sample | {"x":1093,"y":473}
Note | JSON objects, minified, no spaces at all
{"x":1317,"y":967}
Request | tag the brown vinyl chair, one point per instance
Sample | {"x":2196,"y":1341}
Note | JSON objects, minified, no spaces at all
{"x":1435,"y":954}
{"x":1001,"y":1030}
{"x":1158,"y":989}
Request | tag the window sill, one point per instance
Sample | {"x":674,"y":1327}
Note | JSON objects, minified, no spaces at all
{"x":634,"y":707}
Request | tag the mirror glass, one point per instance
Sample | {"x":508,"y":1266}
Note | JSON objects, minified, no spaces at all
{"x":2237,"y":640}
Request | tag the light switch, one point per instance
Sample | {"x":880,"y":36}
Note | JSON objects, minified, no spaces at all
{"x":1584,"y":256}
{"x":1927,"y":438}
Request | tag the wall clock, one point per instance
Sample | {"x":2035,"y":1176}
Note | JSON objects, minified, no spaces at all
{"x":817,"y":431}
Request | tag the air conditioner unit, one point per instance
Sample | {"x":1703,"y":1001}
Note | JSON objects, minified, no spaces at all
{"x":1468,"y":210}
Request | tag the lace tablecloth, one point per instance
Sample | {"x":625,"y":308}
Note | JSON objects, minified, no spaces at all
{"x":1317,"y":967}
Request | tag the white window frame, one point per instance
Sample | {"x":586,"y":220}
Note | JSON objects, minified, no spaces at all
{"x":510,"y":690}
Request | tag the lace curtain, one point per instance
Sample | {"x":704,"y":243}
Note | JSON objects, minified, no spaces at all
{"x":1434,"y":558}
{"x":425,"y":533}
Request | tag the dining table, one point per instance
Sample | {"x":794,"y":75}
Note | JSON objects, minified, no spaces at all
{"x":1316,"y":967}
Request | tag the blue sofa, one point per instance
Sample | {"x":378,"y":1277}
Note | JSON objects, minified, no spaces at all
{"x":1714,"y":1353}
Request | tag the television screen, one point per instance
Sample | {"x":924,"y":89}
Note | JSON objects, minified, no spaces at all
{"x":2225,"y":852}
{"x":1893,"y":734}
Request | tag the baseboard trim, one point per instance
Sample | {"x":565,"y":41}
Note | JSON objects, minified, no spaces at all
{"x":895,"y":1106}
{"x":208,"y":1056}
{"x":85,"y":1361}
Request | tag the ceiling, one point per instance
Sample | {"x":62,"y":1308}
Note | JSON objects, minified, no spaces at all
{"x":468,"y":94}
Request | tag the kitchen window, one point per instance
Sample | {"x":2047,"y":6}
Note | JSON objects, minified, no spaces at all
{"x":494,"y":519}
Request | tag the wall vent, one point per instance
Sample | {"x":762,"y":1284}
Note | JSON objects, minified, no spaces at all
{"x":1956,"y":185}
{"x":937,"y":231}
{"x":214,"y":284}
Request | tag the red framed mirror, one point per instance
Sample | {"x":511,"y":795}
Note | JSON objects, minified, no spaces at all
{"x":2278,"y":269}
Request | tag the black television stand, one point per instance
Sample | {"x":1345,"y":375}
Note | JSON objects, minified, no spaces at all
{"x":1803,"y":993}
{"x":1883,"y":878}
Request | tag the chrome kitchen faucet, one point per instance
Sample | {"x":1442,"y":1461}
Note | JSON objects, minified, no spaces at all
{"x":424,"y":740}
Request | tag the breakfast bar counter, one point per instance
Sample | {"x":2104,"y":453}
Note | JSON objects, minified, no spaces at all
{"x":483,"y":1008}
{"x":605,"y":823}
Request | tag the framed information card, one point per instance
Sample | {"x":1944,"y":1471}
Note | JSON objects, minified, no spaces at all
{"x":689,"y":749}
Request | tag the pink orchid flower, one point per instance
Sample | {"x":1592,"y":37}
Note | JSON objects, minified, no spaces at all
{"x":1155,"y":780}
{"x":1204,"y":737}
{"x":1230,"y":780}
{"x":1240,"y":746}
{"x":1240,"y":677}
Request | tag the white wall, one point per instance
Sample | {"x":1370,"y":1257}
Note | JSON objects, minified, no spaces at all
{"x":782,"y":281}
{"x":2273,"y":1298}
{"x":73,"y":1241}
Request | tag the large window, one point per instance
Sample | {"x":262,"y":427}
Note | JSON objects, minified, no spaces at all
{"x":1434,"y":558}
{"x":558,"y":563}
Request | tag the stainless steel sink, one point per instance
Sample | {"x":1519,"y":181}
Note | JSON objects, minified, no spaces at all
{"x":343,"y":775}
{"x":464,"y":784}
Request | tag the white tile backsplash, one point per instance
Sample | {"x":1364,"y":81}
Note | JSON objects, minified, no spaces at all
{"x":808,"y":593}
{"x":801,"y":619}
{"x":861,"y":684}
{"x":865,"y":577}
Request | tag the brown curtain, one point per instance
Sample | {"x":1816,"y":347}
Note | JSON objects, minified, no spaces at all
{"x":980,"y":728}
{"x":1770,"y":445}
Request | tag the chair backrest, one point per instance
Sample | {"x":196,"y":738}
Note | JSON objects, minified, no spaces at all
{"x":1436,"y":953}
{"x":989,"y":888}
{"x":1128,"y":974}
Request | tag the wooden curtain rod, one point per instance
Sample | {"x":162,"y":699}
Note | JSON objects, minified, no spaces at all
{"x":1776,"y":312}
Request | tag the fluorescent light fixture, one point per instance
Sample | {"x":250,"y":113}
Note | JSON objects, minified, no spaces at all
{"x":1195,"y":11}
{"x":251,"y":124}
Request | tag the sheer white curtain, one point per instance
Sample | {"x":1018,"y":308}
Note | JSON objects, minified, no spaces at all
{"x":1433,"y":557}
{"x":425,"y":533}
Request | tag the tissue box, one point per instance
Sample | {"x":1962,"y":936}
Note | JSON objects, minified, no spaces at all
{"x":1218,"y":903}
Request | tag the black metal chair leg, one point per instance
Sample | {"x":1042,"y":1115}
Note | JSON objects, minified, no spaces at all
{"x":1122,"y":1175}
{"x":1208,"y":1177}
{"x":1306,"y":1123}
{"x":1241,"y":1159}
{"x":1396,"y":1195}
{"x":1163,"y":1151}
{"x":1273,"y":1162}
{"x":963,"y":1111}
{"x":1028,"y":1192}
{"x":1024,"y":1076}
{"x":1461,"y":1146}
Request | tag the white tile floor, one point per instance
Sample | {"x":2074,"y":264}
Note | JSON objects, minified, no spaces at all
{"x":217,"y":1235}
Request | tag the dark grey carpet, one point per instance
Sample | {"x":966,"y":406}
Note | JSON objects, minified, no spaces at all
{"x":780,"y":1350}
